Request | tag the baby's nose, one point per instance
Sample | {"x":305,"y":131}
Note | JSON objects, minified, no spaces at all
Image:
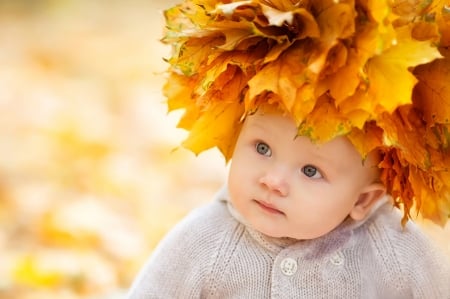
{"x":276,"y":181}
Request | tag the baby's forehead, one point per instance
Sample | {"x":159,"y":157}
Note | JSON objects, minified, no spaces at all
{"x":335,"y":149}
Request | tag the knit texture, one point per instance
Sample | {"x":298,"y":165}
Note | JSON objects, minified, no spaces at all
{"x":211,"y":254}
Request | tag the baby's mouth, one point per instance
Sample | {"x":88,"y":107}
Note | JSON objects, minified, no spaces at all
{"x":268,"y":207}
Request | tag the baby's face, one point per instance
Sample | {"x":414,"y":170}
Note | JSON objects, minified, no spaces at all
{"x":290,"y":187}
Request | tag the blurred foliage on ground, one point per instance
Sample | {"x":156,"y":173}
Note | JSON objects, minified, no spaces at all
{"x":90,"y":174}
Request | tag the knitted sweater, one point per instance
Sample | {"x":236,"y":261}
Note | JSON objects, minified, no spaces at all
{"x":212,"y":254}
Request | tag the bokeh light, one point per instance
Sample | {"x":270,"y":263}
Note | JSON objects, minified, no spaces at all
{"x":91,"y":175}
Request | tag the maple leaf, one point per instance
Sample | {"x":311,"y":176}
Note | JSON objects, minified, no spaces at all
{"x":178,"y":90}
{"x":366,"y":139}
{"x":191,"y":54}
{"x":426,"y":186}
{"x":432,"y":92}
{"x":283,"y":76}
{"x":221,"y":123}
{"x":320,"y":129}
{"x":337,"y":22}
{"x":217,"y":128}
{"x":390,"y":81}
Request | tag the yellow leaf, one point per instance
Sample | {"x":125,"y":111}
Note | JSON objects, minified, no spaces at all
{"x":432,"y":192}
{"x":27,"y":272}
{"x":344,"y":69}
{"x":216,"y":128}
{"x":233,"y":38}
{"x":192,"y":54}
{"x":179,"y":93}
{"x":390,"y":81}
{"x":320,"y":128}
{"x":378,"y":10}
{"x":219,"y":122}
{"x":358,"y":108}
{"x":366,"y":139}
{"x":304,"y":103}
{"x":190,"y":116}
{"x":178,"y":90}
{"x":336,"y":22}
{"x":211,"y":75}
{"x":283,"y":76}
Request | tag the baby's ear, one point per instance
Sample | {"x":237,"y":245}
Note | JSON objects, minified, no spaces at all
{"x":370,"y":195}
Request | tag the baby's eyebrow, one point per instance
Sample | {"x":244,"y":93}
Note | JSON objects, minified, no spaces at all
{"x":256,"y":123}
{"x":326,"y":161}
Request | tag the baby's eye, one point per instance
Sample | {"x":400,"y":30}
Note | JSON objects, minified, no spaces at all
{"x":311,"y":172}
{"x":263,"y":149}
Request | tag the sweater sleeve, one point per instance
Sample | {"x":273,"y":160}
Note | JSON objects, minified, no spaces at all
{"x":409,"y":264}
{"x":426,"y":268}
{"x":181,"y":264}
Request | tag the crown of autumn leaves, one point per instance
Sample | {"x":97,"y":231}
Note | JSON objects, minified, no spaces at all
{"x":376,"y":71}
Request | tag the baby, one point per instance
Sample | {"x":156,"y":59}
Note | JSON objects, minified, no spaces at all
{"x":297,"y":220}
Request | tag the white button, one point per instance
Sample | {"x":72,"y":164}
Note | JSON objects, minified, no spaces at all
{"x":288,"y":266}
{"x":337,"y":259}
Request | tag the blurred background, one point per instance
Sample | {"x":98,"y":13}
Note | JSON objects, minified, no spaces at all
{"x":90,"y":173}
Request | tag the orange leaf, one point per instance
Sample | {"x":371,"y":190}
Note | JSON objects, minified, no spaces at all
{"x":432,"y":93}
